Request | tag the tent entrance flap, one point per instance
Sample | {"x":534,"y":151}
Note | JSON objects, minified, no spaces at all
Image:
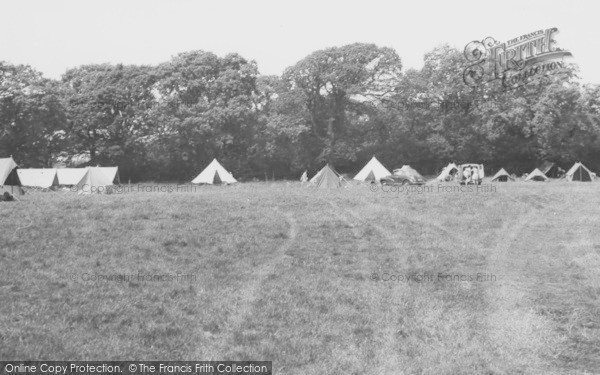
{"x":217,"y":179}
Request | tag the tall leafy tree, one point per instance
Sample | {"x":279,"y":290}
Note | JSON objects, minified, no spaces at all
{"x":31,"y":116}
{"x":329,"y":96}
{"x":108,"y":109}
{"x":206,"y":108}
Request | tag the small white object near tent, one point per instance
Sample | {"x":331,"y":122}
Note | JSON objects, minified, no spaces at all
{"x":214,"y":174}
{"x":43,"y":178}
{"x":448,"y":172}
{"x":70,"y":176}
{"x":536,"y":175}
{"x":304,"y":177}
{"x":579,"y":172}
{"x":372,"y":171}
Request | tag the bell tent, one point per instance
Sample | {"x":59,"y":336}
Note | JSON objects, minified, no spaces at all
{"x":502,"y":176}
{"x":372,"y":171}
{"x":214,"y":174}
{"x":327,"y":178}
{"x":536,"y":175}
{"x":579,"y":172}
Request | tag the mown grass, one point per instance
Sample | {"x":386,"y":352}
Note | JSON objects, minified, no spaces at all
{"x":285,"y":273}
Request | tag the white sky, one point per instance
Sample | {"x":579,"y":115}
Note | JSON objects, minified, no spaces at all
{"x":53,"y":35}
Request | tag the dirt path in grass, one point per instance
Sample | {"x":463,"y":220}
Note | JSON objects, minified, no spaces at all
{"x":250,"y":293}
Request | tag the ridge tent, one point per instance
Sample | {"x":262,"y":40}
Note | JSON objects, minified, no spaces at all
{"x":8,"y":172}
{"x":70,"y":176}
{"x":43,"y":178}
{"x":536,"y":175}
{"x":372,"y":171}
{"x":95,"y":180}
{"x":327,"y":178}
{"x":214,"y":173}
{"x":502,"y":176}
{"x":579,"y":172}
{"x":448,"y":172}
{"x":9,"y":178}
{"x":112,"y":173}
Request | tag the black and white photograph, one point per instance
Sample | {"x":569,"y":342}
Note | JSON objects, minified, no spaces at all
{"x":306,"y":187}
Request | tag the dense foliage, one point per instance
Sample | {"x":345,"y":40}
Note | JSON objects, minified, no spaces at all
{"x":340,"y":105}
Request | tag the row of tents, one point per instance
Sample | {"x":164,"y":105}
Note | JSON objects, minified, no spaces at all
{"x":374,"y":171}
{"x":328,"y":177}
{"x":46,"y":178}
{"x":12,"y":178}
{"x":578,"y":172}
{"x":86,"y":180}
{"x":215,"y":173}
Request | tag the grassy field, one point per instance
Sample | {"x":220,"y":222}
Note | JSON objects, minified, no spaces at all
{"x":347,"y":281}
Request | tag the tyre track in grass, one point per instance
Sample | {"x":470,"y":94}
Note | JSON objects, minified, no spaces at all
{"x":381,"y":298}
{"x":250,"y":293}
{"x":392,"y":353}
{"x":387,"y":337}
{"x":506,"y":236}
{"x":517,"y":334}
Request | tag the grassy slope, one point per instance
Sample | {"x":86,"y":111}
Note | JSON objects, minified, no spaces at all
{"x":284,"y":274}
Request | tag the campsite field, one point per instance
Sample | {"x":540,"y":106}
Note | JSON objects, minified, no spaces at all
{"x":314,"y":280}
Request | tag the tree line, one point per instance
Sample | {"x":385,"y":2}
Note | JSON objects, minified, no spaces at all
{"x":340,"y":105}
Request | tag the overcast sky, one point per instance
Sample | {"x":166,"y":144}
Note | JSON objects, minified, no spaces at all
{"x":54,"y":35}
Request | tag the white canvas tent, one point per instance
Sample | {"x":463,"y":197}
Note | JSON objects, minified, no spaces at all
{"x":502,"y":176}
{"x":38,"y":177}
{"x":536,"y":175}
{"x":372,"y":171}
{"x":70,"y":176}
{"x":95,"y":180}
{"x":447,"y":172}
{"x":316,"y":177}
{"x":9,"y":178}
{"x":7,"y":166}
{"x":579,"y":172}
{"x":214,"y":174}
{"x":328,"y":178}
{"x":112,"y":173}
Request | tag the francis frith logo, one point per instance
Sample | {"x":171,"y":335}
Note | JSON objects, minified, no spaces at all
{"x":515,"y":62}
